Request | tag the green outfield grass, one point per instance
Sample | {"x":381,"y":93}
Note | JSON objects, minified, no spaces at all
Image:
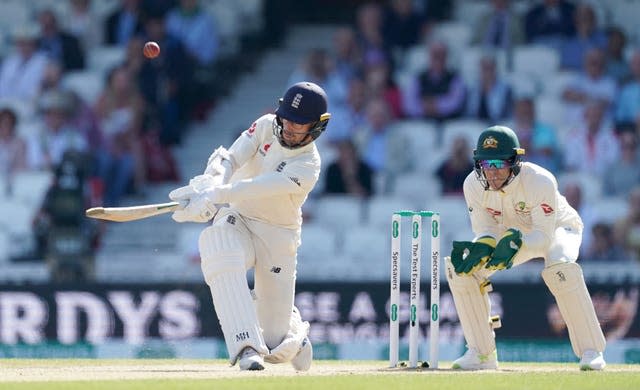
{"x":200,"y":374}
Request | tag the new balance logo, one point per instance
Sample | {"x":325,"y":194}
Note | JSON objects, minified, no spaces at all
{"x":231,"y":219}
{"x":276,"y":270}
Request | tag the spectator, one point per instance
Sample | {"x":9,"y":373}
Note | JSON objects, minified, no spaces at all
{"x":369,"y":32}
{"x":12,"y":148}
{"x":196,"y":29}
{"x":628,"y":102}
{"x":435,"y":11}
{"x":380,"y":83}
{"x":81,"y":22}
{"x":158,"y":7}
{"x":59,"y":45}
{"x":603,"y":245}
{"x":22,"y":71}
{"x":455,"y":168}
{"x":380,"y":147}
{"x":83,"y":118}
{"x":46,"y":149}
{"x":348,"y":118}
{"x":437,"y":93}
{"x":592,"y":83}
{"x":348,"y":174}
{"x":538,"y":139}
{"x":616,"y":65}
{"x":593,"y":146}
{"x":402,"y":25}
{"x":588,"y":36}
{"x":623,"y":174}
{"x":490,"y":99}
{"x":119,"y":110}
{"x":318,"y":68}
{"x":346,"y":55}
{"x":626,"y":229}
{"x":164,"y":81}
{"x":52,"y":77}
{"x":550,"y":22}
{"x":501,"y":28}
{"x":123,"y":23}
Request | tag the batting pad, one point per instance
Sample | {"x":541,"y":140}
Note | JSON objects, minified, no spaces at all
{"x":473,"y":306}
{"x":224,"y":270}
{"x":290,"y":346}
{"x":566,"y":283}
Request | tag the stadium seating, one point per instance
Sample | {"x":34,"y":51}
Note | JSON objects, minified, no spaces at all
{"x":381,"y":208}
{"x":467,"y":128}
{"x":343,"y":237}
{"x":87,"y":84}
{"x":30,"y":187}
{"x":338,"y":212}
{"x":536,"y":60}
{"x":318,"y":242}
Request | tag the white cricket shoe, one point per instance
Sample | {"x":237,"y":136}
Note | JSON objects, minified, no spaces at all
{"x":473,"y":360}
{"x":592,"y":360}
{"x":250,"y":360}
{"x":302,"y":361}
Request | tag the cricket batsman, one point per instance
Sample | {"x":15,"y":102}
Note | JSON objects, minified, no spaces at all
{"x":518,"y":214}
{"x":264,"y":178}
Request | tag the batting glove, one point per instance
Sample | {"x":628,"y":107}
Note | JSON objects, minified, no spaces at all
{"x":506,"y":249}
{"x":467,"y":256}
{"x":199,"y":208}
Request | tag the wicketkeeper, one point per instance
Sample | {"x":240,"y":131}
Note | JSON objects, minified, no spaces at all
{"x":518,"y":214}
{"x":264,"y":177}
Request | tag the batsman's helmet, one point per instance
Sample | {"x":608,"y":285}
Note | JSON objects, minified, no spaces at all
{"x":302,"y":103}
{"x":498,"y":143}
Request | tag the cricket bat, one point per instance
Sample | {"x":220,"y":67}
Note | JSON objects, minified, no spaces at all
{"x":132,"y":213}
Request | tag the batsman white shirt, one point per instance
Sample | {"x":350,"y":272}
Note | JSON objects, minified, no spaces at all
{"x":270,"y":183}
{"x":531,"y":203}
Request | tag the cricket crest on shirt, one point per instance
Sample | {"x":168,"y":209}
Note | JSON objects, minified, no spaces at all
{"x":522,"y":208}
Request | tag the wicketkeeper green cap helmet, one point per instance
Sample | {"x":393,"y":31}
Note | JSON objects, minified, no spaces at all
{"x":497,"y":143}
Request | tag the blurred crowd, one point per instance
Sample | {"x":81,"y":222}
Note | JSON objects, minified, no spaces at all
{"x":404,"y":61}
{"x":142,"y":102}
{"x":403,"y":74}
{"x":109,"y":140}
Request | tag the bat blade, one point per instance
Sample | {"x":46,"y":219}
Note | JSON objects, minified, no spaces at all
{"x":132,"y":213}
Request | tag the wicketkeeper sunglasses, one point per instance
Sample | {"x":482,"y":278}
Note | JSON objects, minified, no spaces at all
{"x":498,"y":164}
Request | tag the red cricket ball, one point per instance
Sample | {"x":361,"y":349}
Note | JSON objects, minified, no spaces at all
{"x":151,"y":49}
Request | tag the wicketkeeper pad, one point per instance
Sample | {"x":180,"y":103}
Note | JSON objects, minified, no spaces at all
{"x":566,"y":283}
{"x":471,"y":298}
{"x":223,"y":267}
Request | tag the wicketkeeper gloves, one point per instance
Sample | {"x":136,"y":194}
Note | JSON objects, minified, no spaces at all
{"x":509,"y":244}
{"x":477,"y":254}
